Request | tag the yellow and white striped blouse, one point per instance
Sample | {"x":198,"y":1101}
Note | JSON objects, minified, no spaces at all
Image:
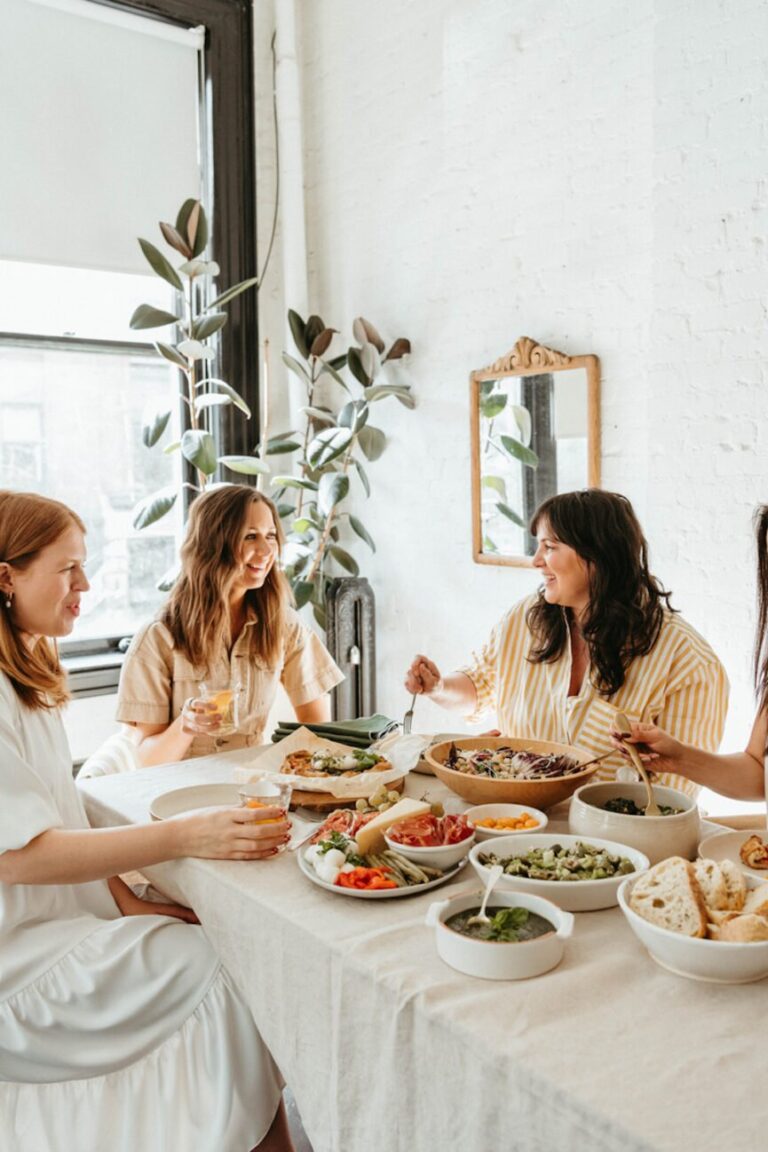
{"x":679,"y":685}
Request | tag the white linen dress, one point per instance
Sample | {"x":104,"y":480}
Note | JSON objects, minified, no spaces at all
{"x":120,"y":1033}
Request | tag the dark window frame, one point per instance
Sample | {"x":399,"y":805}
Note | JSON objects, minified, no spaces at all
{"x":231,"y":149}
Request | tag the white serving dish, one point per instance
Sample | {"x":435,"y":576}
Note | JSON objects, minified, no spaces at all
{"x":715,"y":961}
{"x":726,"y":845}
{"x":574,"y":895}
{"x":497,"y":812}
{"x":657,"y":837}
{"x":497,"y":960}
{"x":443,"y":856}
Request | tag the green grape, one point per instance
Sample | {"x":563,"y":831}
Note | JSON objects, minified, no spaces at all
{"x":361,"y":805}
{"x":437,"y":810}
{"x":383,"y":807}
{"x":393,"y":797}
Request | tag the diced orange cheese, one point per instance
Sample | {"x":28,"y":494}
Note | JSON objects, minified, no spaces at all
{"x":370,"y":838}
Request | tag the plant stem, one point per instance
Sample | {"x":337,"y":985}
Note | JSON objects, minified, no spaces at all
{"x":310,"y":402}
{"x":323,"y":543}
{"x":192,"y":378}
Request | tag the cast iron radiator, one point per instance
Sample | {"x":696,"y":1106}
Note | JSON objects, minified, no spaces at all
{"x":351,"y":640}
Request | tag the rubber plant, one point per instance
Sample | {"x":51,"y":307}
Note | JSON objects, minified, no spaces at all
{"x":336,"y":441}
{"x":196,"y":321}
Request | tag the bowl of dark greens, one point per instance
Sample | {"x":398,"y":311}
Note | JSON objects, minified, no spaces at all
{"x":525,"y":937}
{"x":616,"y":811}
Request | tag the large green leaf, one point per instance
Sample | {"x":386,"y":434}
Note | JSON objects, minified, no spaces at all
{"x":153,"y":508}
{"x":247,"y":465}
{"x":491,"y":407}
{"x":182,"y":219}
{"x":342,"y":557}
{"x":201,"y":232}
{"x":520,"y":452}
{"x":354,"y":415}
{"x":523,"y":420}
{"x":321,"y":414}
{"x":211,"y":400}
{"x":320,"y":616}
{"x":363,"y":476}
{"x":488,"y":545}
{"x":329,"y":366}
{"x":280,"y":436}
{"x":175,"y":239}
{"x":364,"y":332}
{"x":151,"y":433}
{"x":222,"y":386}
{"x":372,"y":441}
{"x":487,"y":387}
{"x":146,"y":316}
{"x":315,"y":326}
{"x":379,"y":391}
{"x":297,"y":367}
{"x":510,"y":514}
{"x":302,"y":525}
{"x":355,"y":365}
{"x":160,"y":265}
{"x":200,"y":449}
{"x":298,"y":331}
{"x":497,"y":483}
{"x":362,"y":532}
{"x":170,"y":353}
{"x":328,"y":445}
{"x":334,"y":486}
{"x":279,"y":447}
{"x":207,"y":325}
{"x":302,"y":591}
{"x":235,"y":290}
{"x":370,"y":361}
{"x":294,"y":482}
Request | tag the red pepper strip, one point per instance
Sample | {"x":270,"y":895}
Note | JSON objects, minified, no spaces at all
{"x":365,"y":878}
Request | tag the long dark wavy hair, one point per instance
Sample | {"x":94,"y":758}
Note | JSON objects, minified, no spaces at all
{"x":197,"y":611}
{"x":761,"y":636}
{"x":626,"y":603}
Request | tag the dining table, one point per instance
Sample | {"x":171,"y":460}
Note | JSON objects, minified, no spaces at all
{"x":386,"y":1048}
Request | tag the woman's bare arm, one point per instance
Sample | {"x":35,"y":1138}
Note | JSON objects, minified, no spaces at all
{"x":316,"y":711}
{"x":455,"y":692}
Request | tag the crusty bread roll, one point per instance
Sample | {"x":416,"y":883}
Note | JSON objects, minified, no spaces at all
{"x":712,"y":884}
{"x":669,"y":896}
{"x":736,"y":884}
{"x":757,"y":901}
{"x":743,"y":929}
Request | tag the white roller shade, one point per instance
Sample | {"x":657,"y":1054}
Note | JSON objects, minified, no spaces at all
{"x":98,"y":131}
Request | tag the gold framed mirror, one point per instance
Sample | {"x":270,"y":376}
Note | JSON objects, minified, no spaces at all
{"x":535,"y":430}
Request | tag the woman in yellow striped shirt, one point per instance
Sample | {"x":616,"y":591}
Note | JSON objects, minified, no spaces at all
{"x":599,"y":637}
{"x":740,"y":775}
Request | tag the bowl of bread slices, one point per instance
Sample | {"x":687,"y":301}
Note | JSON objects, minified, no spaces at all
{"x":704,"y":920}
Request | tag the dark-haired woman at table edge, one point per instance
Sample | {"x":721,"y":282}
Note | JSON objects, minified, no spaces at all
{"x":599,"y":637}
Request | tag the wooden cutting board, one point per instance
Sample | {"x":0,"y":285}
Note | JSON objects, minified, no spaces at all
{"x":323,"y":800}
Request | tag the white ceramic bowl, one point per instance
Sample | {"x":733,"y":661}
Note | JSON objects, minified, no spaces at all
{"x":573,"y":895}
{"x":657,"y":837}
{"x":493,"y":959}
{"x":498,"y":812}
{"x":444,"y":856}
{"x":716,"y":961}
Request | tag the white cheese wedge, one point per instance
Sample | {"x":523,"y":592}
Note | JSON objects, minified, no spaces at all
{"x":370,"y":838}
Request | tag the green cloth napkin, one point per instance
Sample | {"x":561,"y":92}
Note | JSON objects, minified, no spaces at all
{"x":358,"y":733}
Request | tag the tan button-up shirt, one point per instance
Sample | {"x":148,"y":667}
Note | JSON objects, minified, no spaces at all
{"x":156,"y":680}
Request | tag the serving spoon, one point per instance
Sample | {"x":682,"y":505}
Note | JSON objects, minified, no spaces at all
{"x":480,"y":917}
{"x":624,"y":728}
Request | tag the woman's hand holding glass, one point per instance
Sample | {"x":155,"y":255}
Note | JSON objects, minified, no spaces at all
{"x":233,"y":833}
{"x":212,"y":713}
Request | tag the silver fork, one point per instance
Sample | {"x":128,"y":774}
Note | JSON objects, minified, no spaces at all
{"x":408,"y":718}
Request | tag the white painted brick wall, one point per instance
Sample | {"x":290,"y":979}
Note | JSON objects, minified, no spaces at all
{"x":589,"y":173}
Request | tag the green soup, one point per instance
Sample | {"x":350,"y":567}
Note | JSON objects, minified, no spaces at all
{"x":508,"y":925}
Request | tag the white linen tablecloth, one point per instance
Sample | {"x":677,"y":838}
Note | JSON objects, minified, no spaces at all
{"x":386,"y":1049}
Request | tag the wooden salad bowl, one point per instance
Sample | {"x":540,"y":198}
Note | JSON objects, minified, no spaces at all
{"x":483,"y":790}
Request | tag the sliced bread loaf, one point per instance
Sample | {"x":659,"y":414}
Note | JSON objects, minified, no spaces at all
{"x":669,"y":896}
{"x":713,"y":886}
{"x":757,"y":901}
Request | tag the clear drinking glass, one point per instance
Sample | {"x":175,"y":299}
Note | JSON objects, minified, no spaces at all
{"x":222,"y":698}
{"x":267,"y":794}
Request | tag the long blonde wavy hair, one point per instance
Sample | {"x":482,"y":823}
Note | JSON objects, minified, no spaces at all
{"x":29,"y":523}
{"x":197,"y":611}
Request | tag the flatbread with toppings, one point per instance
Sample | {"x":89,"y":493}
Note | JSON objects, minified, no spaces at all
{"x":323,"y":763}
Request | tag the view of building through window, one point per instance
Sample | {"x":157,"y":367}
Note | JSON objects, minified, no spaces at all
{"x":70,"y":426}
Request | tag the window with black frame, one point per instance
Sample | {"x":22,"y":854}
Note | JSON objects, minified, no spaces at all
{"x":125,"y":110}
